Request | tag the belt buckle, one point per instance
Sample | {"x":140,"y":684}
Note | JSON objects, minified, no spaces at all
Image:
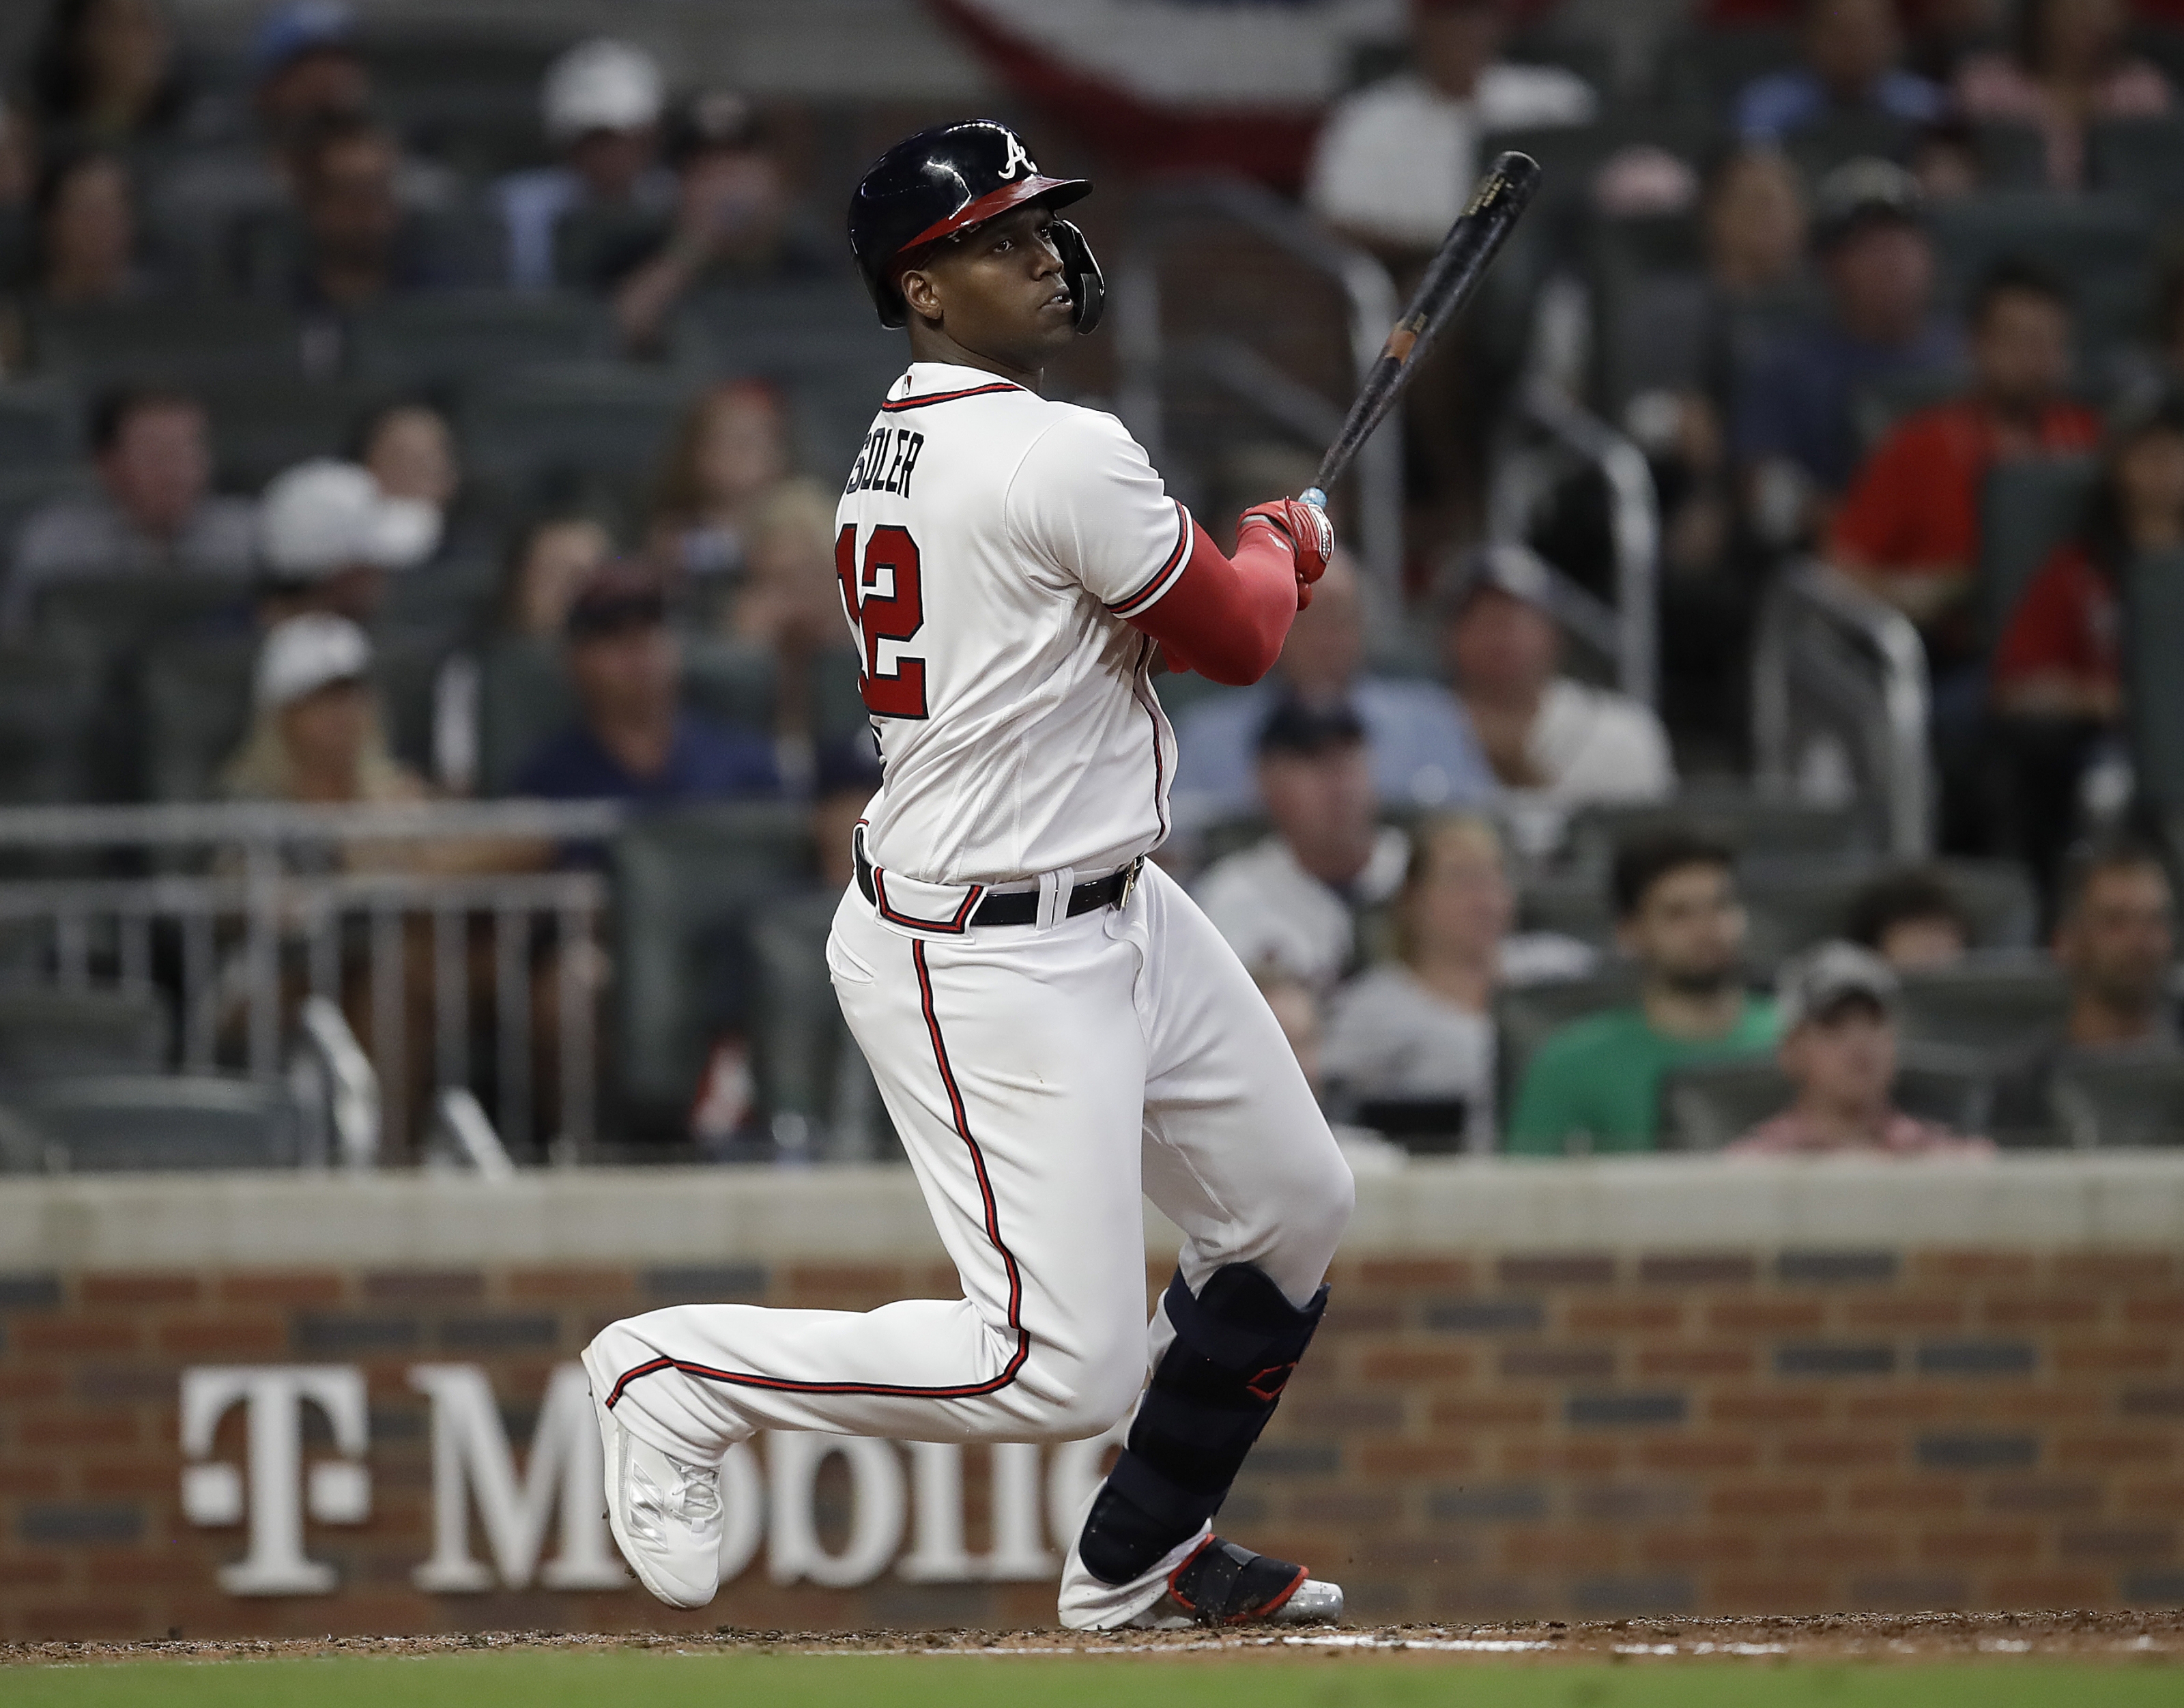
{"x":1130,"y":881}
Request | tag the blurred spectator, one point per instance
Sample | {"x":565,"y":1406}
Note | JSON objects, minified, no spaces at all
{"x":735,"y":220}
{"x":1945,"y":160}
{"x":548,"y":563}
{"x":2057,"y":671}
{"x":600,"y":104}
{"x":1556,"y":742}
{"x":102,"y":72}
{"x":1853,"y":51}
{"x":1595,"y":1085}
{"x":1912,"y":919}
{"x":155,"y":513}
{"x":85,"y":233}
{"x":328,"y":539}
{"x":1296,"y":1007}
{"x":309,"y":68}
{"x":1291,"y":900}
{"x":790,"y":604}
{"x":1395,"y":162}
{"x":352,"y":242}
{"x":316,"y":736}
{"x":634,"y":740}
{"x":1940,"y":35}
{"x":2115,"y":942}
{"x":1420,"y":747}
{"x":1419,"y":1028}
{"x":1795,"y":430}
{"x":410,"y":450}
{"x":1908,"y":527}
{"x":2068,"y":65}
{"x":730,"y":451}
{"x":1687,"y":340}
{"x":1836,"y":1008}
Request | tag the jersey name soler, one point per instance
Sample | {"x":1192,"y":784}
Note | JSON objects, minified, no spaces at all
{"x":987,"y":545}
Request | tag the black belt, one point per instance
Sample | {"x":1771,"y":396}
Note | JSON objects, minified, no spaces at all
{"x":1021,"y":907}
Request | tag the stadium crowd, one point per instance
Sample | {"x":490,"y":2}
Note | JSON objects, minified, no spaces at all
{"x":1839,"y":301}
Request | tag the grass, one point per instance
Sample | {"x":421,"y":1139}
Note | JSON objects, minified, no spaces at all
{"x":658,"y":1679}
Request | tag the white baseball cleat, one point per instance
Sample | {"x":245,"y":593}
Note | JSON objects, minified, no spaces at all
{"x":665,"y":1515}
{"x":1207,"y":1581}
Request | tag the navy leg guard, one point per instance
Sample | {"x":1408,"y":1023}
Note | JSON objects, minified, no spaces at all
{"x":1236,"y":1343}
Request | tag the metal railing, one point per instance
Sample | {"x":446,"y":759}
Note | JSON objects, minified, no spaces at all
{"x":1563,"y":430}
{"x":1841,"y":702}
{"x":1149,"y":360}
{"x":266,"y":939}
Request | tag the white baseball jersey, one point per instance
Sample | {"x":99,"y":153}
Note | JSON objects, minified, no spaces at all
{"x":989,"y":544}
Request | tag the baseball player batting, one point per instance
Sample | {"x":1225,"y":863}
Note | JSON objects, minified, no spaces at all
{"x":1055,"y":1027}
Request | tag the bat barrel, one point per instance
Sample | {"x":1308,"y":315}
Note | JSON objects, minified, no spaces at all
{"x":1451,"y":279}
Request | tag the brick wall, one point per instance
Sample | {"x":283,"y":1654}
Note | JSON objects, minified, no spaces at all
{"x":1528,"y":1433}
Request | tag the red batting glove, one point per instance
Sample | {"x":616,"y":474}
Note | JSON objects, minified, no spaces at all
{"x":1309,"y":534}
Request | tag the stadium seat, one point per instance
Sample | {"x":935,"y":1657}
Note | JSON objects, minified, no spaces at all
{"x":40,"y":427}
{"x":182,"y":342}
{"x":47,"y":1032}
{"x":49,"y":698}
{"x":405,"y":669}
{"x":23,"y":1147}
{"x":159,"y":1121}
{"x":2026,"y":510}
{"x":1526,"y":1016}
{"x":1573,"y":903}
{"x":2140,"y":158}
{"x":116,"y":615}
{"x":808,"y":1065}
{"x":2012,"y":156}
{"x":610,"y":421}
{"x":1706,"y":1105}
{"x":681,"y":881}
{"x":2152,"y":642}
{"x":262,"y":424}
{"x":1746,"y":822}
{"x":1795,"y":903}
{"x":460,"y":92}
{"x":414,"y":343}
{"x":729,"y":680}
{"x":1997,"y":1004}
{"x":195,"y":711}
{"x":2101,"y":245}
{"x":1703,"y":70}
{"x":2117,"y":1104}
{"x":1837,"y":138}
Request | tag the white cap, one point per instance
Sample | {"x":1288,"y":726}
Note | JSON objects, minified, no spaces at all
{"x":306,"y":653}
{"x":601,"y":85}
{"x":322,"y":516}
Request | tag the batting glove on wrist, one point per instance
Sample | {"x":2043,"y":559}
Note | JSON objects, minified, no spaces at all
{"x":1309,"y":534}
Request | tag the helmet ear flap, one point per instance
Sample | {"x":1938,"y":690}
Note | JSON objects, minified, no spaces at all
{"x":1088,"y":285}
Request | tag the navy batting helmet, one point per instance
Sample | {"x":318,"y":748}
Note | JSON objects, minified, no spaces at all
{"x":947,"y":179}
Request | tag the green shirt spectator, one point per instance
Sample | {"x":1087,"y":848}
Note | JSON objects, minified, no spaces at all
{"x":1595,"y":1084}
{"x":1600,"y":1078}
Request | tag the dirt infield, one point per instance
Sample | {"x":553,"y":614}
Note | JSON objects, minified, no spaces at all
{"x":2154,"y":1636}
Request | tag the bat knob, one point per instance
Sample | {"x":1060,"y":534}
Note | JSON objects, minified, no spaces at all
{"x":1314,"y":497}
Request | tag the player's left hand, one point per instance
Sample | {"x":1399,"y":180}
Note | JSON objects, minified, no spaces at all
{"x":1309,"y":534}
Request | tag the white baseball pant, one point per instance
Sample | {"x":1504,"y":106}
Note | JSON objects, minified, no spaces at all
{"x":1043,"y":1079}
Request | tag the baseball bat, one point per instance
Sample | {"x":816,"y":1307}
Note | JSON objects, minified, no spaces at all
{"x":1450,"y":280}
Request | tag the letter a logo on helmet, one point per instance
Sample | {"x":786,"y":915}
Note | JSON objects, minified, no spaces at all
{"x":947,"y":179}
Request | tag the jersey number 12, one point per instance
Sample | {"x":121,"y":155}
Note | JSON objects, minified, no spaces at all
{"x":896,"y":615}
